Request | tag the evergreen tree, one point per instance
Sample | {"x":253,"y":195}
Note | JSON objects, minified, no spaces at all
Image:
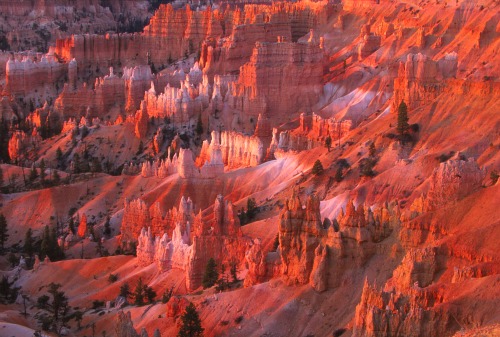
{"x":328,"y":143}
{"x":211,"y":275}
{"x":56,"y":178}
{"x":234,"y":272}
{"x":8,"y":293}
{"x":372,"y":151}
{"x":140,"y":149}
{"x":251,"y":208}
{"x":149,"y":293}
{"x":33,"y":174}
{"x":4,"y":235}
{"x":71,"y":225}
{"x":139,"y":293}
{"x":55,"y":252}
{"x":107,"y":227}
{"x":59,"y":155}
{"x":125,"y":291}
{"x":42,"y":171}
{"x":338,"y":175}
{"x":199,"y":126}
{"x":403,"y":125}
{"x":167,"y":295}
{"x":317,"y":168}
{"x":276,"y":242}
{"x":29,"y":243}
{"x":191,"y":323}
{"x":59,"y":310}
{"x":45,"y":247}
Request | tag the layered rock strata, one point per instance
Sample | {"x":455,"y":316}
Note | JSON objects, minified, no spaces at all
{"x":219,"y":238}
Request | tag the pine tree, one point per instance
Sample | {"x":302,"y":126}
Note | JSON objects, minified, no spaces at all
{"x":125,"y":291}
{"x":328,"y":143}
{"x":107,"y":227}
{"x":71,"y":225}
{"x":199,"y":126}
{"x":139,"y":293}
{"x":59,"y":155}
{"x":317,"y":168}
{"x":251,"y":208}
{"x":403,"y":125}
{"x":33,"y":174}
{"x":45,"y":247}
{"x":56,"y":178}
{"x":338,"y":175}
{"x":191,"y":323}
{"x":372,"y":151}
{"x":167,"y":295}
{"x":28,"y":247}
{"x":42,"y":171}
{"x":149,"y":293}
{"x":211,"y":275}
{"x":4,"y":235}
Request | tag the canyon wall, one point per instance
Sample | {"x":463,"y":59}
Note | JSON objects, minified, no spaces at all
{"x":218,"y":237}
{"x":318,"y":252}
{"x":276,"y":71}
{"x":420,"y":79}
{"x":137,"y":215}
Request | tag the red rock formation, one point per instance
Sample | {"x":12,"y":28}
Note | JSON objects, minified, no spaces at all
{"x":25,"y":76}
{"x":176,"y":306}
{"x":170,"y":35}
{"x":20,"y":144}
{"x":239,"y":150}
{"x":82,"y":226}
{"x":259,"y":23}
{"x":219,"y":237}
{"x":266,"y":83}
{"x":420,"y":79}
{"x":453,"y":180}
{"x":316,"y":255}
{"x":141,"y":122}
{"x":137,"y":215}
{"x":398,"y":314}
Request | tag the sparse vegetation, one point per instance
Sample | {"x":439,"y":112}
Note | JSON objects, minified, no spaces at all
{"x":494,"y":177}
{"x":317,"y":168}
{"x":112,"y":278}
{"x":328,"y":143}
{"x":211,"y":274}
{"x":4,"y":235}
{"x":190,"y":323}
{"x":402,"y":125}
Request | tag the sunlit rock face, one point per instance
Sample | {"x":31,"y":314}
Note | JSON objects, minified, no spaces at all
{"x":276,"y":71}
{"x":318,"y":254}
{"x":191,"y":246}
{"x":421,"y":80}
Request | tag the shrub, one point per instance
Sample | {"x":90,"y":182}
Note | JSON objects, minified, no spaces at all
{"x":366,"y":167}
{"x":317,"y":168}
{"x":97,"y":304}
{"x":112,"y":278}
{"x":211,"y":275}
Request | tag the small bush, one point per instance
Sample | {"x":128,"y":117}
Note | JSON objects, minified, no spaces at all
{"x":97,"y":304}
{"x":238,"y":319}
{"x":366,"y":167}
{"x":444,"y":157}
{"x":494,"y":177}
{"x":317,"y":168}
{"x":112,"y":278}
